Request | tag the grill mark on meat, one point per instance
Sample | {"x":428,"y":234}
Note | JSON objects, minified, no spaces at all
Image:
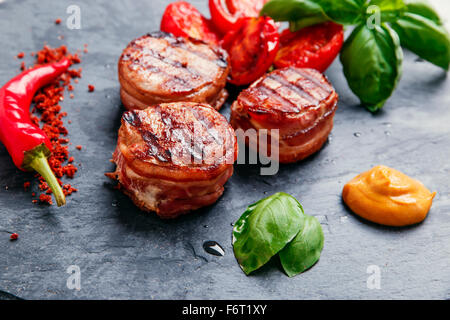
{"x":204,"y":121}
{"x":148,"y":56}
{"x":304,"y":95}
{"x":274,"y":94}
{"x":221,"y":61}
{"x":181,"y":43}
{"x":159,"y":34}
{"x":161,"y":68}
{"x":132,"y":118}
{"x":183,"y":76}
{"x":182,"y":134}
{"x":176,"y":64}
{"x":287,"y":90}
{"x":155,"y":148}
{"x":320,"y":90}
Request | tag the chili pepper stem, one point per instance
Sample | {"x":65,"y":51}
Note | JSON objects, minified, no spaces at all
{"x":40,"y":164}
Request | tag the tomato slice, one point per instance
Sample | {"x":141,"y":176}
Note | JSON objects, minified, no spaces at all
{"x":226,"y":13}
{"x":252,"y":46}
{"x":313,"y":47}
{"x":183,"y":20}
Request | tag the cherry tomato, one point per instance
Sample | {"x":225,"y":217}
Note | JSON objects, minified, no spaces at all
{"x":226,"y":13}
{"x":313,"y":47}
{"x":183,"y":20}
{"x":252,"y":47}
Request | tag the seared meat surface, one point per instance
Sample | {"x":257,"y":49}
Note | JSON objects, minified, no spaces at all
{"x":159,"y":68}
{"x":174,"y":158}
{"x":301,"y":103}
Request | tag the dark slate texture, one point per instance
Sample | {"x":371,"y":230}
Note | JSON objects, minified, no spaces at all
{"x":124,"y":253}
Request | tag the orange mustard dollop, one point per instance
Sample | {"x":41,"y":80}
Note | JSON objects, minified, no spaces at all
{"x":386,"y":196}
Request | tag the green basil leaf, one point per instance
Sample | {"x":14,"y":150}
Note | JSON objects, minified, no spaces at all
{"x":372,"y":60}
{"x":304,"y":251}
{"x":265,"y":228}
{"x":426,"y":38}
{"x":347,"y":12}
{"x":423,"y":8}
{"x":306,"y":22}
{"x":294,"y":10}
{"x":390,"y":10}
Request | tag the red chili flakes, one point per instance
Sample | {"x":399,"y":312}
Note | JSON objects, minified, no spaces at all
{"x":45,"y":198}
{"x":91,"y":88}
{"x":20,"y":55}
{"x":47,"y":112}
{"x":79,"y":147}
{"x":68,"y":189}
{"x":70,"y":170}
{"x":14,"y":236}
{"x":22,"y":66}
{"x":58,"y":21}
{"x":26,"y":185}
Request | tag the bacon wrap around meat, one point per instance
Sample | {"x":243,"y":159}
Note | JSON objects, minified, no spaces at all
{"x":159,"y":68}
{"x":301,"y":103}
{"x":174,"y":158}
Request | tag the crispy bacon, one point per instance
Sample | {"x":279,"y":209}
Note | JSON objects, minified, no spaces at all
{"x":301,"y":103}
{"x":174,"y":158}
{"x":159,"y":68}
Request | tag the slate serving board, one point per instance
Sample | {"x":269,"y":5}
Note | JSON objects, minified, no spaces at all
{"x":124,"y":253}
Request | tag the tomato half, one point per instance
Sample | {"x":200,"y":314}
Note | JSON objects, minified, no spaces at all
{"x":183,"y":20}
{"x":226,"y":13}
{"x":313,"y":47}
{"x":252,"y":46}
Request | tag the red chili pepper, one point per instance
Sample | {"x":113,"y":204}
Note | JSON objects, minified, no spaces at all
{"x":313,"y":47}
{"x":27,"y":144}
{"x":14,"y":236}
{"x":182,"y":19}
{"x":226,"y":14}
{"x":252,"y":47}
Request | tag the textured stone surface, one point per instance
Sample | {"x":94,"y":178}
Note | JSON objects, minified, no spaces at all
{"x":125,"y":253}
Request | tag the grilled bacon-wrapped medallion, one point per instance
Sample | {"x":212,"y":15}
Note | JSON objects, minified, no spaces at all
{"x":160,"y":68}
{"x":301,"y":103}
{"x":173,"y":158}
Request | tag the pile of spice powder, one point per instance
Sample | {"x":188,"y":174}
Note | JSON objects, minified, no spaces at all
{"x":47,"y":113}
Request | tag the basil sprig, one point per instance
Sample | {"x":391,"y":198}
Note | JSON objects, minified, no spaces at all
{"x":277,"y":224}
{"x":372,"y":55}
